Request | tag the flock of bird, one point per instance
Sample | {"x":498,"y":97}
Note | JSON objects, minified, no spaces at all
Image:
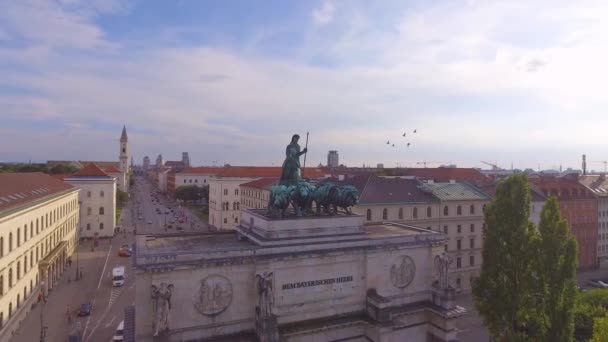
{"x":388,"y":142}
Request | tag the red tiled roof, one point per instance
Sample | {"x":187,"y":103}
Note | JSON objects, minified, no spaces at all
{"x":203,"y":170}
{"x":112,"y":169}
{"x":262,"y":183}
{"x":174,"y":163}
{"x":446,"y":174}
{"x":89,"y":171}
{"x":60,"y":176}
{"x":20,"y":188}
{"x":264,"y":171}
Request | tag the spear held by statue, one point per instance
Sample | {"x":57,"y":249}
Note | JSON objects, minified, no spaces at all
{"x":305,"y":153}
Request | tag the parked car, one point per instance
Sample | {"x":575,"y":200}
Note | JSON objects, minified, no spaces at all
{"x":118,"y":335}
{"x":149,"y":222}
{"x":179,"y":228}
{"x":85,"y":309}
{"x":140,"y":218}
{"x":598,"y":283}
{"x":170,"y":226}
{"x":181,"y":220}
{"x":127,"y":247}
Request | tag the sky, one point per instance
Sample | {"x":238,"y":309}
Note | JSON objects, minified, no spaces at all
{"x":517,"y":83}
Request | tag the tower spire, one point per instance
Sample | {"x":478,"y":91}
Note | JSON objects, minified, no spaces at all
{"x":123,"y":136}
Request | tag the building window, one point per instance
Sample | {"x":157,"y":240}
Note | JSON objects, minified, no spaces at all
{"x":369,"y":214}
{"x":100,"y":225}
{"x":101,"y":211}
{"x":225,"y":191}
{"x":401,"y":213}
{"x":1,"y":246}
{"x":190,"y":181}
{"x":18,"y":270}
{"x":196,"y":181}
{"x":483,"y":209}
{"x":459,"y":210}
{"x":1,"y":285}
{"x":472,"y":209}
{"x":236,"y":220}
{"x":101,"y":193}
{"x":236,"y":191}
{"x":10,"y":242}
{"x":472,"y":243}
{"x":384,"y":214}
{"x":25,"y":265}
{"x":415,"y":213}
{"x":429,"y":213}
{"x":445,"y":229}
{"x":184,"y":181}
{"x":458,"y":244}
{"x":472,"y":260}
{"x":88,"y":194}
{"x":445,"y":247}
{"x":10,"y":277}
{"x":446,"y":212}
{"x":25,"y":233}
{"x":458,"y":262}
{"x":458,"y":282}
{"x":10,"y":310}
{"x":472,"y":227}
{"x":89,"y":211}
{"x":225,"y":220}
{"x":88,"y":226}
{"x":459,"y":229}
{"x":18,"y":237}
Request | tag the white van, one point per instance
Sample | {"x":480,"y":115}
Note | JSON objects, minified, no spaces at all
{"x":118,"y":276}
{"x":119,"y":332}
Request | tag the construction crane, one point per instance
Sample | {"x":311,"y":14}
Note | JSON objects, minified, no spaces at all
{"x":493,"y":165}
{"x":605,"y":162}
{"x":424,"y":163}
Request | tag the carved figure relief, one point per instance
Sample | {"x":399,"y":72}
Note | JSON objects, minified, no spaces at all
{"x":403,"y":271}
{"x":442,"y":265}
{"x":161,"y":306}
{"x":265,"y":294}
{"x":214,"y":295}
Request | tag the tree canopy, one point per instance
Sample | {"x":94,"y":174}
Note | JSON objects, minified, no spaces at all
{"x":189,"y":193}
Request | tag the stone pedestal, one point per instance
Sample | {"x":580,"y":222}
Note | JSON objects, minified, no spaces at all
{"x":444,"y":298}
{"x":267,"y":329}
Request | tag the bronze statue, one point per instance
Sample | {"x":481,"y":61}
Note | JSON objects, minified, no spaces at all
{"x":291,"y":166}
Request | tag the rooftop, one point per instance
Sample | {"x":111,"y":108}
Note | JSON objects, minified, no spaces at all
{"x":456,"y":192}
{"x":598,"y":184}
{"x":203,"y":170}
{"x":262,"y":183}
{"x":446,"y":174}
{"x":264,"y":171}
{"x":20,"y":188}
{"x":112,"y":169}
{"x":392,"y":190}
{"x":91,"y":170}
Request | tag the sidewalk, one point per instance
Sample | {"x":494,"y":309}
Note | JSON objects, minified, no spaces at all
{"x":73,"y":293}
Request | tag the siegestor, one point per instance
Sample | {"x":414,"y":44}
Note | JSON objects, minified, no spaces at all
{"x":318,"y":282}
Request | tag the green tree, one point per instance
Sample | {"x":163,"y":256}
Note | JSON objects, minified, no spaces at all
{"x":62,"y":169}
{"x":504,"y":292}
{"x":121,"y":198}
{"x":190,"y":193}
{"x":590,"y":305}
{"x":556,"y":261}
{"x":600,"y":329}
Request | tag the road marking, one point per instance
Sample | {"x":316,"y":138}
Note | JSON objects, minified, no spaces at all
{"x":104,"y":268}
{"x":86,"y":325}
{"x":110,"y":322}
{"x":113,"y":295}
{"x":132,"y":285}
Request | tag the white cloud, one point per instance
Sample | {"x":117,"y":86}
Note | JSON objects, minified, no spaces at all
{"x":324,"y":14}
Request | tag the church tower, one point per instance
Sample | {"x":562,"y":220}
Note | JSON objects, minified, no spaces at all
{"x":124,"y":153}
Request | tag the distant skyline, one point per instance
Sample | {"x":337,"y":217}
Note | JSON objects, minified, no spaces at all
{"x":230,"y":81}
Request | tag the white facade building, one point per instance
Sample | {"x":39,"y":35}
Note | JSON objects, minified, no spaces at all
{"x":38,"y":234}
{"x":197,"y":176}
{"x":97,"y":201}
{"x":146,"y":163}
{"x":598,"y":185}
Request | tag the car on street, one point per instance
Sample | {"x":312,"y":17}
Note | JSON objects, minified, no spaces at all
{"x":141,"y":218}
{"x":124,"y":253}
{"x":127,"y":247}
{"x":598,"y":283}
{"x":179,"y":228}
{"x":118,"y":335}
{"x":85,"y":309}
{"x":171,"y":221}
{"x":181,"y":220}
{"x":149,"y":222}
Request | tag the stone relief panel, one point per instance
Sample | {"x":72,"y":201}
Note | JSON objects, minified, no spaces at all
{"x":403,"y":271}
{"x":214,"y":295}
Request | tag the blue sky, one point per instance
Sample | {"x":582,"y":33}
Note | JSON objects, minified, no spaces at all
{"x":517,"y":82}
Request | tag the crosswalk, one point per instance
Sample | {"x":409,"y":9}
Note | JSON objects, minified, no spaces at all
{"x":114,"y":294}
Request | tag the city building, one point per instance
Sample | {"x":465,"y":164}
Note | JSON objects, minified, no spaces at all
{"x":197,"y":176}
{"x":255,"y":194}
{"x":146,"y":163}
{"x":462,"y":219}
{"x":224,"y":191}
{"x":160,"y":162}
{"x":579,"y":207}
{"x":329,"y":278}
{"x":97,"y":201}
{"x":123,"y":180}
{"x":186,"y":159}
{"x":598,"y":186}
{"x":332,"y":159}
{"x":38,"y":233}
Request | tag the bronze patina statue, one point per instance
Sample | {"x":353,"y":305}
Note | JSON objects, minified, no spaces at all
{"x":291,"y":166}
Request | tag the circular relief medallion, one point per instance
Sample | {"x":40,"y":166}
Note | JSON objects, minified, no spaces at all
{"x":403,"y":271}
{"x":214,"y":295}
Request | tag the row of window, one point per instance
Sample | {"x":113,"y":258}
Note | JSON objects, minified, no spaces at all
{"x":459,"y":260}
{"x":40,"y":225}
{"x":235,"y":206}
{"x":101,"y":194}
{"x":255,"y":193}
{"x":37,"y":253}
{"x":195,"y":181}
{"x":101,"y":211}
{"x":254,"y":204}
{"x":100,"y":226}
{"x":26,"y":293}
{"x":459,"y":228}
{"x":459,"y":244}
{"x":429,"y":212}
{"x":236,"y":220}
